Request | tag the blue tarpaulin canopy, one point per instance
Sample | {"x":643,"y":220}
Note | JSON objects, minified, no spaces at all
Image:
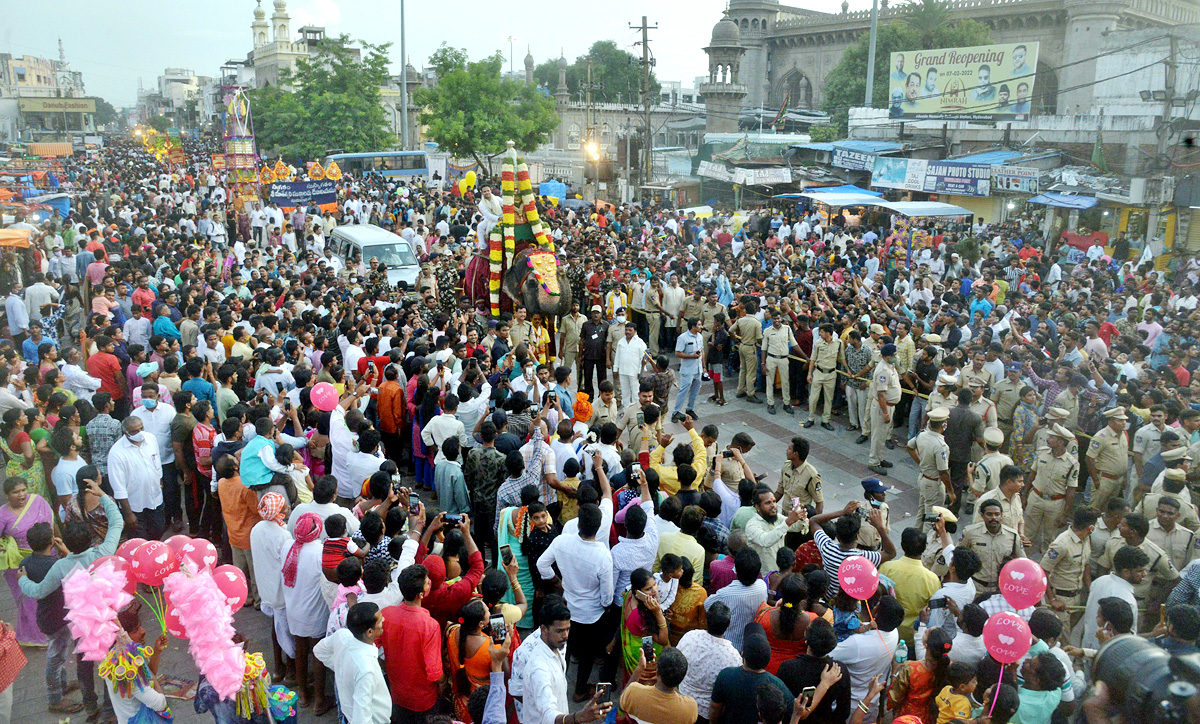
{"x":1064,"y":201}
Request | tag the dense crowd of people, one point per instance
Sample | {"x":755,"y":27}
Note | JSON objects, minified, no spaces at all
{"x":164,"y":341}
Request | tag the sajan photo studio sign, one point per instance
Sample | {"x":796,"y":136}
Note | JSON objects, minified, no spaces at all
{"x":982,"y":83}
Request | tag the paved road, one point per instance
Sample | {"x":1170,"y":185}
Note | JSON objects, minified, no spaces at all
{"x":842,"y":464}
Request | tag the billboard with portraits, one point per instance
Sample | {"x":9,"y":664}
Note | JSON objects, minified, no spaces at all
{"x":981,"y":83}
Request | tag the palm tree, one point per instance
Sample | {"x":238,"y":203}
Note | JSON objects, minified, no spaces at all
{"x":928,"y":19}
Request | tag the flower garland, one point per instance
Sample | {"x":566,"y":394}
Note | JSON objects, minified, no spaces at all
{"x":508,"y":205}
{"x":528,"y":204}
{"x":495,"y":267}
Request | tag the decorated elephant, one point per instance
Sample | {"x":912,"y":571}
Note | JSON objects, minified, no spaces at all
{"x":521,"y":284}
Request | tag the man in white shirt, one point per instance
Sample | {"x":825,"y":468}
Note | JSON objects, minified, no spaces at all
{"x":707,"y":652}
{"x":540,"y":673}
{"x":1129,"y":568}
{"x":270,"y":541}
{"x":865,"y":657}
{"x":38,"y":295}
{"x":324,"y":490}
{"x":75,"y":379}
{"x":136,"y":475}
{"x":958,"y":588}
{"x":587,"y":571}
{"x":628,"y":359}
{"x":363,"y":696}
{"x":443,"y":427}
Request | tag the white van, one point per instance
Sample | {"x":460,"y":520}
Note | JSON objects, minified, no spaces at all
{"x":354,"y":242}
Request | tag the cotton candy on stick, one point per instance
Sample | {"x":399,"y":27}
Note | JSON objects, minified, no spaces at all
{"x":93,"y":600}
{"x":203,"y":611}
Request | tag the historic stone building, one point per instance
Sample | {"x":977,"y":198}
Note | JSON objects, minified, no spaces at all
{"x":788,"y":49}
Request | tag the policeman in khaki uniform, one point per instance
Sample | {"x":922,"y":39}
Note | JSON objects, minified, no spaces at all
{"x":822,"y":373}
{"x":982,"y":406}
{"x":932,"y":455}
{"x":1041,"y":433}
{"x":1007,"y":395}
{"x":747,"y":332}
{"x":882,"y":396}
{"x":799,"y":479}
{"x":1175,"y":487}
{"x":1108,"y":458}
{"x":985,"y":474}
{"x":1066,"y":566}
{"x":1166,"y":532}
{"x":521,"y":329}
{"x":1161,"y":574}
{"x":992,"y":541}
{"x":1008,"y":494}
{"x":874,"y":492}
{"x":1055,"y":478}
{"x":777,"y":343}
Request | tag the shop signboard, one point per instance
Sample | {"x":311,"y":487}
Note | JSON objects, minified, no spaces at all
{"x":933,"y":177}
{"x":1015,"y":179}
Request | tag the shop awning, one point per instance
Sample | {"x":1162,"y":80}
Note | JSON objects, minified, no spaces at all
{"x":15,"y":237}
{"x":904,"y":208}
{"x":923,"y":208}
{"x":842,"y":199}
{"x":844,"y":189}
{"x":1064,"y":201}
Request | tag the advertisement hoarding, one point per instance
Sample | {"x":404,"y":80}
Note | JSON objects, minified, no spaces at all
{"x":983,"y":82}
{"x":290,"y":194}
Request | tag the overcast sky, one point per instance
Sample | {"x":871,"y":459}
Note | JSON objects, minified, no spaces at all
{"x":116,"y":42}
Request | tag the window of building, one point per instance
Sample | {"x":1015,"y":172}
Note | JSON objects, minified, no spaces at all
{"x":573,"y":137}
{"x":20,"y":73}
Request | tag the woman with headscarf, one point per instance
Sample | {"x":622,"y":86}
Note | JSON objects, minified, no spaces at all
{"x":445,"y":599}
{"x":269,"y":543}
{"x":307,"y":613}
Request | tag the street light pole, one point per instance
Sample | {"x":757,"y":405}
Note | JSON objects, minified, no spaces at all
{"x":871,"y":52}
{"x":403,"y":85}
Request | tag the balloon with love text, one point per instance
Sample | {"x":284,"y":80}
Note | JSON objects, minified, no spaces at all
{"x":1006,"y":637}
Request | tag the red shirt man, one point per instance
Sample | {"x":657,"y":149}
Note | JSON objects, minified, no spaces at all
{"x":412,"y":645}
{"x":146,"y":299}
{"x":105,"y":366}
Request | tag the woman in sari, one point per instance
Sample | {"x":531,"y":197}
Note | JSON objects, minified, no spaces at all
{"x":641,"y":616}
{"x":516,"y":523}
{"x":20,"y":452}
{"x":687,"y":610}
{"x":1025,"y":419}
{"x":467,"y":644}
{"x":85,"y":507}
{"x":917,"y":682}
{"x":22,"y":510}
{"x":786,"y":622}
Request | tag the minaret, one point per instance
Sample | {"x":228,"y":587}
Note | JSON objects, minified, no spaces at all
{"x":528,"y":66}
{"x":279,"y":21}
{"x":259,"y":28}
{"x":562,"y":95}
{"x":723,"y":94}
{"x":62,"y":54}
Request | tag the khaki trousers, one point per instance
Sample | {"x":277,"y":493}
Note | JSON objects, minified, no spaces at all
{"x":780,"y":365}
{"x":929,"y":494}
{"x":1041,"y":521}
{"x":822,"y":383}
{"x":1106,"y":489}
{"x":748,"y":370}
{"x":654,"y":319}
{"x":880,"y":430}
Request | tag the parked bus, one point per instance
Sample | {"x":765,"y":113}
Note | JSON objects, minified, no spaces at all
{"x":384,"y":163}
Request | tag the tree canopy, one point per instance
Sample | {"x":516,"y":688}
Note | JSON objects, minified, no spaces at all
{"x":333,"y":103}
{"x":616,"y":71}
{"x":473,"y":112}
{"x":105,"y":113}
{"x":925,"y":25}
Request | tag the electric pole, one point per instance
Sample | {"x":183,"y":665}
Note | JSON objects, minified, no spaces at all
{"x":403,"y":85}
{"x":871,"y":52}
{"x":647,"y":131}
